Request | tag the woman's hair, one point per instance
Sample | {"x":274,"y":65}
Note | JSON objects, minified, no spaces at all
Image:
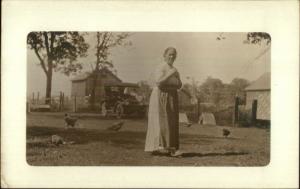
{"x":169,"y":48}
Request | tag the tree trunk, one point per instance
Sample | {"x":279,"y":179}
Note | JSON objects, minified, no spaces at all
{"x":48,"y":88}
{"x":93,"y":95}
{"x":236,"y":112}
{"x":49,"y":81}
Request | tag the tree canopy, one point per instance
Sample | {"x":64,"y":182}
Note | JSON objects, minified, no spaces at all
{"x":213,"y":90}
{"x":258,"y":38}
{"x":57,"y":51}
{"x":106,"y":41}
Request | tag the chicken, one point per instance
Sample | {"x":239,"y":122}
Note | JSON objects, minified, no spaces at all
{"x":116,"y":126}
{"x":57,"y":140}
{"x":70,"y":121}
{"x":226,"y":132}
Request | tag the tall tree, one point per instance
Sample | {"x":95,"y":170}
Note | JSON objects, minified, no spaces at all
{"x":105,"y":42}
{"x":251,"y":38}
{"x":57,"y":51}
{"x":239,"y":84}
{"x":210,"y":90}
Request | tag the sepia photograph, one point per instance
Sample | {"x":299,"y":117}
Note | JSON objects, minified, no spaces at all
{"x":150,"y":94}
{"x":148,"y":99}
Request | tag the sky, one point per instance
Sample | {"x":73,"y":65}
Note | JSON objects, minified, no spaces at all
{"x":200,"y":55}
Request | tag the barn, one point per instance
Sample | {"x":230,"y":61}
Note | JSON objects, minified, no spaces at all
{"x":258,"y":97}
{"x":82,"y":86}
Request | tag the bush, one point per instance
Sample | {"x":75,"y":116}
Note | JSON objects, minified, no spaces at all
{"x":224,"y":117}
{"x":244,"y":117}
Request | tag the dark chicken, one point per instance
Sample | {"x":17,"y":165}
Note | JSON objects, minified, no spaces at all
{"x":70,"y":121}
{"x":226,"y":132}
{"x":116,"y":126}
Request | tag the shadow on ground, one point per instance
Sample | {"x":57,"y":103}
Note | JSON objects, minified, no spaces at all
{"x":123,"y":139}
{"x":194,"y":154}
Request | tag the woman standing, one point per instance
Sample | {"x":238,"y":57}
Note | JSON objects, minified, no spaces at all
{"x":163,"y":118}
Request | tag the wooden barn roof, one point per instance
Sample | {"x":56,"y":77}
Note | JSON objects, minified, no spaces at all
{"x":262,"y":83}
{"x":82,"y":76}
{"x":85,"y":75}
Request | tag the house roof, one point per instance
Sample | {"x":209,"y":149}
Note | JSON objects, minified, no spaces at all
{"x":82,"y":76}
{"x":262,"y":83}
{"x":85,"y":75}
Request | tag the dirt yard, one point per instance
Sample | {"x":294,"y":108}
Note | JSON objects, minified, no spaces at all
{"x":89,"y":143}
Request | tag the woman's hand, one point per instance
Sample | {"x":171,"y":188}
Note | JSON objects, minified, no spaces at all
{"x":172,"y":71}
{"x":176,"y":74}
{"x":168,"y":74}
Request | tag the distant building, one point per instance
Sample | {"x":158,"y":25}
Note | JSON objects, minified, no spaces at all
{"x":259,"y":93}
{"x":82,"y":86}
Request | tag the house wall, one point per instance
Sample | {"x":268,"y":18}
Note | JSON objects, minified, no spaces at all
{"x":263,"y":103}
{"x":78,"y":88}
{"x":82,"y":89}
{"x":102,"y":79}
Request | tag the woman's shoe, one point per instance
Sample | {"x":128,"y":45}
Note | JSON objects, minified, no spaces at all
{"x":176,"y":153}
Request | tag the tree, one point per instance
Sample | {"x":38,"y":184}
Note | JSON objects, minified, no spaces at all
{"x":105,"y":42}
{"x":210,"y":90}
{"x":258,"y":38}
{"x":188,"y":87}
{"x":251,"y":38}
{"x":57,"y":51}
{"x":237,"y":86}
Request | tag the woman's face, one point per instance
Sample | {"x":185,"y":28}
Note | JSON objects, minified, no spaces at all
{"x":170,"y":56}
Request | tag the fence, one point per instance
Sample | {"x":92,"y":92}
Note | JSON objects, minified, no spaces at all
{"x":58,"y":102}
{"x":82,"y":104}
{"x":232,"y":115}
{"x":224,"y":116}
{"x":235,"y":115}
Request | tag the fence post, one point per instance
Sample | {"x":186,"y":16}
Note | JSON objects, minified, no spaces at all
{"x":198,"y":109}
{"x":236,"y":112}
{"x":75,"y":104}
{"x":38,"y":97}
{"x":254,"y":110}
{"x":60,"y":99}
{"x":28,"y":107}
{"x":33,"y":98}
{"x":63,"y":99}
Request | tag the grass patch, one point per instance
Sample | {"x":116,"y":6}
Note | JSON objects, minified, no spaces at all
{"x":95,"y":146}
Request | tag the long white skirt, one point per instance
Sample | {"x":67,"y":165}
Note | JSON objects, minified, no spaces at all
{"x":153,"y":131}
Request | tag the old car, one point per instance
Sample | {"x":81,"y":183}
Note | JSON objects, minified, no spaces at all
{"x":123,"y":99}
